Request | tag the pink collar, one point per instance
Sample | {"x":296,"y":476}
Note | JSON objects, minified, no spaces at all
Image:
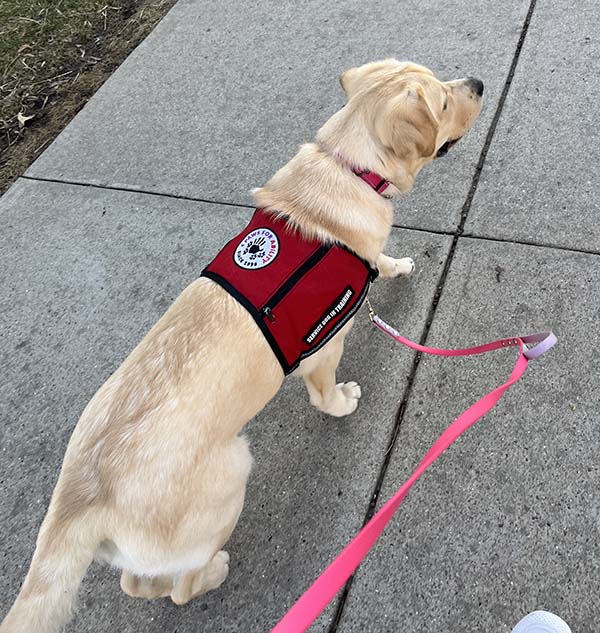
{"x":375,"y":181}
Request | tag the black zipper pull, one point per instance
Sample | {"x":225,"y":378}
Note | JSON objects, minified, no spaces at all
{"x":269,"y":314}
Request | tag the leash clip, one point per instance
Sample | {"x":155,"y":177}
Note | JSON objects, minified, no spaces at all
{"x":370,"y":308}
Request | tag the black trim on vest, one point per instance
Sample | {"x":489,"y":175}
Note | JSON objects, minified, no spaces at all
{"x":373,"y":272}
{"x":260,"y":314}
{"x":257,"y":315}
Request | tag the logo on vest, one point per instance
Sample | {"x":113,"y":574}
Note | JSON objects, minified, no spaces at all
{"x":257,"y":250}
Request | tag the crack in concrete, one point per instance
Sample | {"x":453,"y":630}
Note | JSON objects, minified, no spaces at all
{"x":436,"y":299}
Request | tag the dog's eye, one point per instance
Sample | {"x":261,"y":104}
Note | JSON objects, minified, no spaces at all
{"x":445,"y":104}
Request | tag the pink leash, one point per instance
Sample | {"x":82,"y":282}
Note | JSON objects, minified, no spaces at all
{"x":320,"y":593}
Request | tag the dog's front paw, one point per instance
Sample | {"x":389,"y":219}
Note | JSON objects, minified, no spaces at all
{"x":405,"y":266}
{"x":391,"y":267}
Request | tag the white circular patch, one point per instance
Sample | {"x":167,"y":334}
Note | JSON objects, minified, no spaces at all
{"x":257,"y":250}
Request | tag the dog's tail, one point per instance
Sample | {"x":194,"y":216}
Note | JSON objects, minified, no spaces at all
{"x":61,"y":558}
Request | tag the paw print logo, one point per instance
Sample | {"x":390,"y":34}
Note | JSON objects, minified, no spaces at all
{"x":257,"y":250}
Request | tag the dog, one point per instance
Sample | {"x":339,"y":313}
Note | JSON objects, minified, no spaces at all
{"x":154,"y":476}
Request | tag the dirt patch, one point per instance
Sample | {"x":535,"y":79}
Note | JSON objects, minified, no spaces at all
{"x":54,"y":55}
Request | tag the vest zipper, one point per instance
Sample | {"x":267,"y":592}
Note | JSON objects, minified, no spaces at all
{"x":269,"y":313}
{"x":288,"y":284}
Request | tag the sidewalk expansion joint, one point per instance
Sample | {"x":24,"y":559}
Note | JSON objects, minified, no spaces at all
{"x":434,"y":305}
{"x":499,"y":240}
{"x":240,"y":205}
{"x":522,"y":242}
{"x":160,"y":194}
{"x":419,"y":229}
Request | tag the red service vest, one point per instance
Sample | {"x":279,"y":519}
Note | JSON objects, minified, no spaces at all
{"x":299,"y":291}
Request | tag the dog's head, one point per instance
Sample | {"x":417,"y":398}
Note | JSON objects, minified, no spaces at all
{"x":401,"y":115}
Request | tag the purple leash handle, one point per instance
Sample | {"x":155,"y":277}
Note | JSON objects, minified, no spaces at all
{"x":544,"y":340}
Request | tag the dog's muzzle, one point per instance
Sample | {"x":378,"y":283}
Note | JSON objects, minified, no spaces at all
{"x":446,"y":147}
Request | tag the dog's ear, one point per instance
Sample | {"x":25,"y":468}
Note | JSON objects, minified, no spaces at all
{"x":348,"y":80}
{"x":411,"y":67}
{"x":366,"y":75}
{"x":407,"y":125}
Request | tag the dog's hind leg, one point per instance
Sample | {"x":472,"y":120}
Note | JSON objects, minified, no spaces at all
{"x":318,"y":372}
{"x":195,"y":583}
{"x":178,"y":552}
{"x":181,"y":587}
{"x":148,"y":588}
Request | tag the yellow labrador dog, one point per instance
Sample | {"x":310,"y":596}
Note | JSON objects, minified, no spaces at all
{"x":154,"y":476}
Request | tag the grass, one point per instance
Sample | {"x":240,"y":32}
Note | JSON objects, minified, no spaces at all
{"x":54,"y":54}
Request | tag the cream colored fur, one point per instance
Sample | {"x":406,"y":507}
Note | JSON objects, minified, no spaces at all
{"x":154,"y":476}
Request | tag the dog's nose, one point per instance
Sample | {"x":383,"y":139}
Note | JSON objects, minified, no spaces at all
{"x":476,"y":85}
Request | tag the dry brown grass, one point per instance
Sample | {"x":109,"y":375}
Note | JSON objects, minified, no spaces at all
{"x":54,"y":54}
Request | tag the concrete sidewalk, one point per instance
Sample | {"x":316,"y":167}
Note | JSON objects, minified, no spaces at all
{"x":141,"y":189}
